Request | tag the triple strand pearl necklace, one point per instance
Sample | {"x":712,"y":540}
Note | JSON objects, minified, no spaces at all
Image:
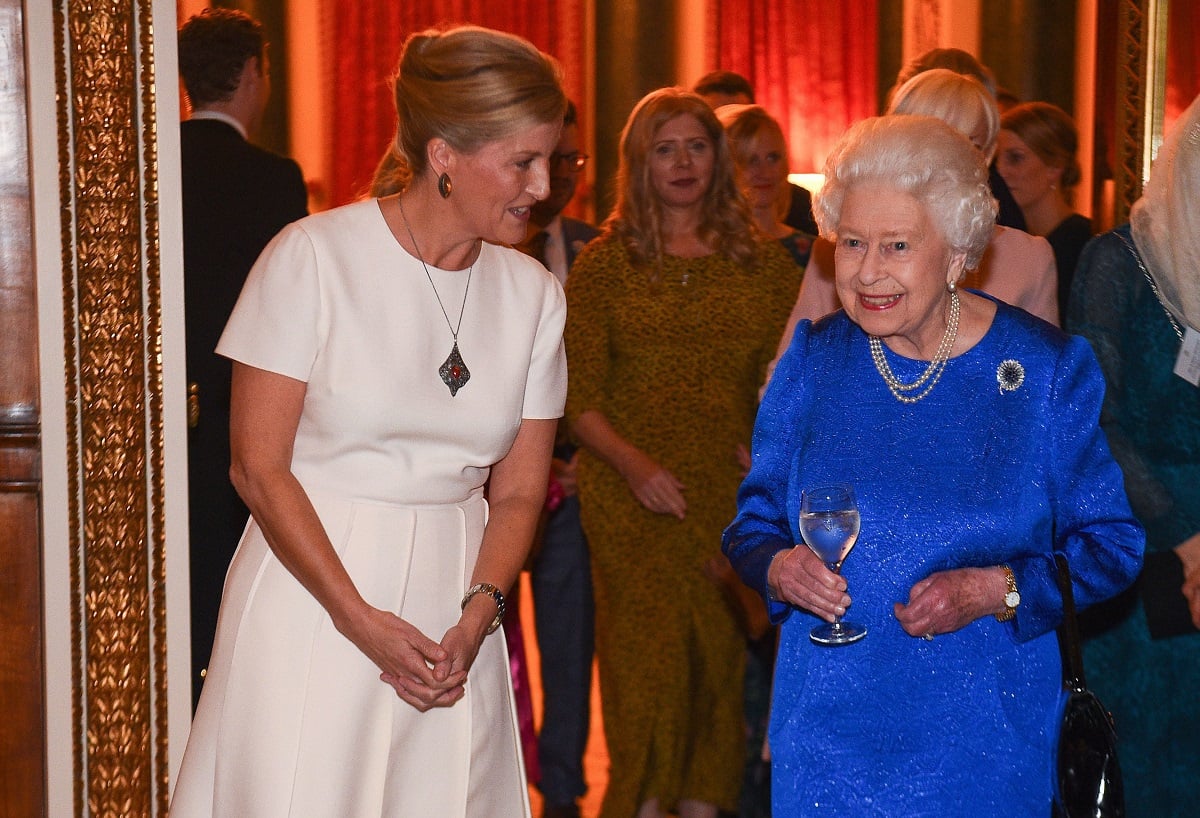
{"x":932,"y":373}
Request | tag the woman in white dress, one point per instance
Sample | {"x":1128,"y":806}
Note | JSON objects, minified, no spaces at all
{"x":390,"y":358}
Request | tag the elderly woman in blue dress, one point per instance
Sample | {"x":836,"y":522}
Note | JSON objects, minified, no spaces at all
{"x":969,"y":430}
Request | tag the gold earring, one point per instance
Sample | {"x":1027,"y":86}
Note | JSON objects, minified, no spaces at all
{"x":444,"y":186}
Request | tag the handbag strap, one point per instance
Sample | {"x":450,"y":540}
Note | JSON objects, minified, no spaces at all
{"x":1069,"y":645}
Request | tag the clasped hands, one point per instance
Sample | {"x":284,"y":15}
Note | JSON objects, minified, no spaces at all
{"x":424,"y":673}
{"x":943,"y":602}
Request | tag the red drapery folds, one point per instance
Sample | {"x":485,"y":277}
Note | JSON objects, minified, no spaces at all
{"x":1183,"y":60}
{"x":363,"y":46}
{"x":812,"y":64}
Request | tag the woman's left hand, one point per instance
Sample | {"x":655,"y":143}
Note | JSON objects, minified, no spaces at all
{"x":461,"y":643}
{"x":946,"y":601}
{"x":461,"y":650}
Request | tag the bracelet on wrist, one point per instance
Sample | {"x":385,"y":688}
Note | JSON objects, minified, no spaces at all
{"x":494,"y":593}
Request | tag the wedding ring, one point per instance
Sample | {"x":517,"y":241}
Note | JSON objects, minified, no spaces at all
{"x":928,"y":637}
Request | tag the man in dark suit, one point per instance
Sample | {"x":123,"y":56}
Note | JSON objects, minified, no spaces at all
{"x":561,"y":571}
{"x":236,"y":197}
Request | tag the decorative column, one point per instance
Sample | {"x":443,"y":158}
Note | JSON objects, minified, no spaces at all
{"x":108,"y":259}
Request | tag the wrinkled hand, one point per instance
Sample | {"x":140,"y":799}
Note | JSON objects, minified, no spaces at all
{"x":1189,"y":554}
{"x":946,"y":601}
{"x":407,"y":660}
{"x":656,"y":488}
{"x":564,"y":472}
{"x":797,"y":576}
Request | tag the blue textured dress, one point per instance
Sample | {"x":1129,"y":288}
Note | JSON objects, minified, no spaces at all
{"x":972,"y":475}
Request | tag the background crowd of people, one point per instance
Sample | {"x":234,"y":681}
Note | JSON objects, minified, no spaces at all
{"x":390,"y":395}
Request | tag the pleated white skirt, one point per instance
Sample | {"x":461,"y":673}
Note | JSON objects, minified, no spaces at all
{"x":293,"y":719}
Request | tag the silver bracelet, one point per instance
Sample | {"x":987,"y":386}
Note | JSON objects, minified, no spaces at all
{"x":494,"y":593}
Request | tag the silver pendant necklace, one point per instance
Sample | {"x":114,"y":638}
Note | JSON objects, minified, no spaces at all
{"x":453,"y":371}
{"x":933,"y":372}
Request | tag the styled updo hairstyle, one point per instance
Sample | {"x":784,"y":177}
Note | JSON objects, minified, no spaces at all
{"x":469,"y":86}
{"x":1050,"y":133}
{"x":958,"y":100}
{"x":924,"y":158}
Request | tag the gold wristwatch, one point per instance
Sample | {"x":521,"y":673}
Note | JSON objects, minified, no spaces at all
{"x":488,"y":589}
{"x":1011,"y":599}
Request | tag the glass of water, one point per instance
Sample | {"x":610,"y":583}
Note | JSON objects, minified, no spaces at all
{"x":829,"y":524}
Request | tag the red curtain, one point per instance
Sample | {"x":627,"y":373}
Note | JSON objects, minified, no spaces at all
{"x":1183,"y":60}
{"x":812,"y":64}
{"x":363,"y":47}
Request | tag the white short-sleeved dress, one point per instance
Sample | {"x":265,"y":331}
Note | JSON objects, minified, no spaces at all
{"x":293,"y":719}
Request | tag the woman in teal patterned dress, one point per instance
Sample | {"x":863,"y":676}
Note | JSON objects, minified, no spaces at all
{"x":1136,"y":297}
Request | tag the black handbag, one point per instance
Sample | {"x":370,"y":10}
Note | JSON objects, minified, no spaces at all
{"x":1087,"y":777}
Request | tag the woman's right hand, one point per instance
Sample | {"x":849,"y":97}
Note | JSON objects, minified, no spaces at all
{"x":406,"y":659}
{"x":655,"y":487}
{"x":798,"y":577}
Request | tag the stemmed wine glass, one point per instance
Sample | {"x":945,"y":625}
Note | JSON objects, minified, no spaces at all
{"x":829,"y":524}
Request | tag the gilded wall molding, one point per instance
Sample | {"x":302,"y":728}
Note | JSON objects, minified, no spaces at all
{"x":1133,"y":29}
{"x":112,"y":311}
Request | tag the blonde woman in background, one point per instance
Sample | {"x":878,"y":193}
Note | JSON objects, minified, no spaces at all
{"x":673,"y":313}
{"x":761,"y":156}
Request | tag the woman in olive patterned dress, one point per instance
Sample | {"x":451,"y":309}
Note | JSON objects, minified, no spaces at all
{"x":673,"y":314}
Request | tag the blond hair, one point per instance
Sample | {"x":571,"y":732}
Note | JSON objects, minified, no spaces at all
{"x":469,"y":86}
{"x":957,"y":99}
{"x":725,"y":221}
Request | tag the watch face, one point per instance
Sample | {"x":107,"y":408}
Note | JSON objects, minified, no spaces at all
{"x":1012,"y":599}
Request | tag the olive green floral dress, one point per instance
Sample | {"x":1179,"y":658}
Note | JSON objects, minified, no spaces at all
{"x":674,"y":362}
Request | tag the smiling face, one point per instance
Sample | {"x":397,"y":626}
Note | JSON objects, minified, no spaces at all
{"x":892,"y":266}
{"x":762,"y":168}
{"x":1028,"y":178}
{"x":496,"y":186}
{"x":682,"y":156}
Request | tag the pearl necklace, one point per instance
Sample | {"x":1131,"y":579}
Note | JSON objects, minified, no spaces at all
{"x":932,"y":373}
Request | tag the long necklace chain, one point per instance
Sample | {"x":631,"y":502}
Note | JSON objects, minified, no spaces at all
{"x":453,"y":371}
{"x":1153,"y":287}
{"x":932,"y":373}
